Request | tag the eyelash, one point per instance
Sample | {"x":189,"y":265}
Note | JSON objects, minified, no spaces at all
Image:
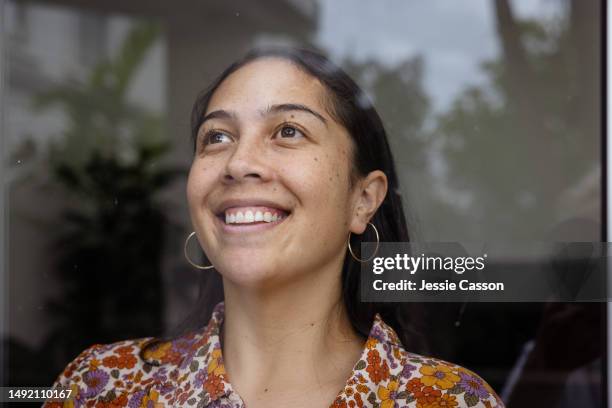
{"x":212,"y":132}
{"x":291,"y":126}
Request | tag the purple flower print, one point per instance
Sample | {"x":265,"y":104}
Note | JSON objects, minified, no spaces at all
{"x":389,"y":353}
{"x":161,"y":375}
{"x":473,"y":385}
{"x":200,"y":378}
{"x":95,"y":380}
{"x":136,"y":399}
{"x":378,"y":334}
{"x":407,"y":370}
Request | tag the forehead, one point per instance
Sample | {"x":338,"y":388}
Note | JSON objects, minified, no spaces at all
{"x":265,"y":82}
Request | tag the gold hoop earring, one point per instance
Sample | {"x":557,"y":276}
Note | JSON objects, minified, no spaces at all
{"x":187,"y":256}
{"x":375,"y":250}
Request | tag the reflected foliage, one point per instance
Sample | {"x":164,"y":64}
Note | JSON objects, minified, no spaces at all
{"x":500,"y":160}
{"x":534,"y":126}
{"x":110,"y":247}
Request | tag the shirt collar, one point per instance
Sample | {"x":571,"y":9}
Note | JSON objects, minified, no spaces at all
{"x":200,"y":366}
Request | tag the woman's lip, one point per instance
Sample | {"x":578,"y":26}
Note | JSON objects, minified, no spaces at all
{"x":250,"y":227}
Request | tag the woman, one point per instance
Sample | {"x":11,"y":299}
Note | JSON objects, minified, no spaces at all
{"x":290,"y":161}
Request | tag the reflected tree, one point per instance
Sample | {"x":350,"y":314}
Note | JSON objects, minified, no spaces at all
{"x":498,"y":161}
{"x":516,"y":143}
{"x":109,"y":163}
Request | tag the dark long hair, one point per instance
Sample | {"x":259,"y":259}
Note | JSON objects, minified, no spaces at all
{"x":351,"y":108}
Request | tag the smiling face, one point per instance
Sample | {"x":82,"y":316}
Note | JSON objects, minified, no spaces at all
{"x":268,"y":190}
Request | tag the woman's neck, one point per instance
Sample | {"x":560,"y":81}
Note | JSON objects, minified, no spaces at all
{"x":287,"y":342}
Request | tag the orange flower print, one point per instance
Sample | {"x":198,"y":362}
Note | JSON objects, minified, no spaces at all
{"x":359,"y":400}
{"x":428,"y":395}
{"x":216,"y":368}
{"x":94,"y":364}
{"x":339,"y":403}
{"x":126,"y":361}
{"x":110,"y":361}
{"x":215,"y":365}
{"x":387,"y":394}
{"x":121,"y":361}
{"x":362,"y":389}
{"x":159,"y":351}
{"x":125,"y":350}
{"x":120,"y":401}
{"x":444,"y":401}
{"x":371,"y":343}
{"x":414,"y":385}
{"x":70,"y":370}
{"x":378,"y":372}
{"x":373,"y":357}
{"x":214,"y":385}
{"x":440,"y":375}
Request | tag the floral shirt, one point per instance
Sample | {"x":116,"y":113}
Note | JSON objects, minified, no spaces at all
{"x":189,"y":372}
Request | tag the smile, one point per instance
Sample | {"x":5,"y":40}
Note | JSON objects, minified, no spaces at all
{"x":241,"y":218}
{"x":250,"y":215}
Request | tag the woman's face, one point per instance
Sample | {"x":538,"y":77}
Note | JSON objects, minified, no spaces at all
{"x":268,"y":189}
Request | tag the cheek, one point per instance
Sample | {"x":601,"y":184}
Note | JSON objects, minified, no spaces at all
{"x":321,"y":184}
{"x":199,"y":180}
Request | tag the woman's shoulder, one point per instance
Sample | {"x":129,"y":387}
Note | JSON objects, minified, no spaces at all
{"x":393,"y":373}
{"x":139,"y":372}
{"x":106,"y":372}
{"x":429,"y":380}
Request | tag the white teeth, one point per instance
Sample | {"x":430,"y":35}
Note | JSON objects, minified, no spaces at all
{"x":250,"y":217}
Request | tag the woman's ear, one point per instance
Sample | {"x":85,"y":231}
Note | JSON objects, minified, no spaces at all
{"x":370,"y":193}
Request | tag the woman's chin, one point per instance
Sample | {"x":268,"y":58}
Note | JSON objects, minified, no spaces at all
{"x":250,"y":273}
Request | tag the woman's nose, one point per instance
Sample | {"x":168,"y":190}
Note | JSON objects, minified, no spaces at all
{"x":246,"y":162}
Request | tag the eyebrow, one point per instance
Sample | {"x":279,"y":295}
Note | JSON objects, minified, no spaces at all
{"x":287,"y":107}
{"x":219,"y":114}
{"x":284,"y":107}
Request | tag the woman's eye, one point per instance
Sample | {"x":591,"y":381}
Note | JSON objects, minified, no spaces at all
{"x":215,"y":137}
{"x":290,"y":131}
